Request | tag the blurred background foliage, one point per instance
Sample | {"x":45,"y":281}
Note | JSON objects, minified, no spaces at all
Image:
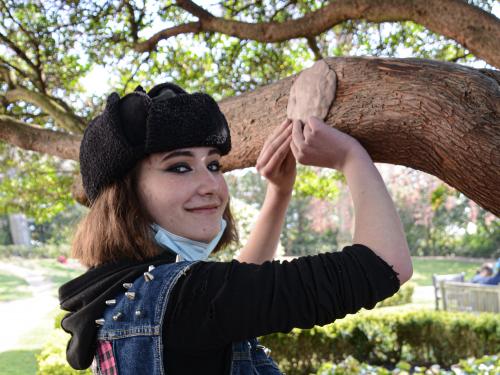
{"x":78,"y":51}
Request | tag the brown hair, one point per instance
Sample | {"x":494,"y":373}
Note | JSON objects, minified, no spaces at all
{"x":118,"y":227}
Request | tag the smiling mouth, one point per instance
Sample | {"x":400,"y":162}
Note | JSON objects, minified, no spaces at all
{"x":201,"y":210}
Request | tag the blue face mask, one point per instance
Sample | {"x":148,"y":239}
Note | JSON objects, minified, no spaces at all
{"x":184,"y":247}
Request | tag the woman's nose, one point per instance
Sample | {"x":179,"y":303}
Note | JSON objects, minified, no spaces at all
{"x":207,"y":183}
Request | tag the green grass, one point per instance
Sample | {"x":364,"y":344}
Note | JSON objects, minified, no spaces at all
{"x":16,"y":362}
{"x":38,"y":336}
{"x":13,"y":287}
{"x":58,"y":273}
{"x":22,"y":360}
{"x":423,"y":269}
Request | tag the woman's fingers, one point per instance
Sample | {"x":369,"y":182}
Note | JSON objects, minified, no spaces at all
{"x":278,"y":157}
{"x":278,"y":130}
{"x":273,"y":144}
{"x":308,"y":130}
{"x":290,"y":161}
{"x":297,"y":134}
{"x":294,"y":149}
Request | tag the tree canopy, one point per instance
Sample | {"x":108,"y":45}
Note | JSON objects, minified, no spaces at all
{"x":52,"y":51}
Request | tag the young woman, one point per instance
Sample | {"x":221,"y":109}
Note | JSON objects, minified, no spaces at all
{"x":150,"y":302}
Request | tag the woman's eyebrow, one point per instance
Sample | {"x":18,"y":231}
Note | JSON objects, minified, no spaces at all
{"x":173,"y":154}
{"x":214,"y":151}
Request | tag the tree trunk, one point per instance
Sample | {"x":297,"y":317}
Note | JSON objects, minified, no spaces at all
{"x":440,"y":118}
{"x":19,"y":230}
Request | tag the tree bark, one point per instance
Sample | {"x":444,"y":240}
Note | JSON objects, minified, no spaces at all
{"x":472,"y":27}
{"x":34,"y":138}
{"x":61,"y":116}
{"x":440,"y":118}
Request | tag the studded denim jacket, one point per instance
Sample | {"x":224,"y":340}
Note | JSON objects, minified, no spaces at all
{"x":130,"y":333}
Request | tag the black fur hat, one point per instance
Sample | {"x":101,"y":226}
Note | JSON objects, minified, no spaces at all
{"x":139,"y":124}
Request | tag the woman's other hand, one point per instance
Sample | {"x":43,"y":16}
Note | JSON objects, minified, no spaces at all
{"x":315,"y":143}
{"x":276,"y":162}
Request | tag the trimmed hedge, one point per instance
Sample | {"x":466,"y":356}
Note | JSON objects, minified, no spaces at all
{"x":403,"y":296}
{"x":422,"y":338}
{"x":52,"y":359}
{"x":384,"y":338}
{"x":487,"y":365}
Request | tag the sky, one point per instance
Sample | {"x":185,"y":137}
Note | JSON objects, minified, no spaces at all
{"x":97,"y":81}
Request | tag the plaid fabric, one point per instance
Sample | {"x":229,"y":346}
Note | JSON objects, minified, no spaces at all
{"x":106,"y":359}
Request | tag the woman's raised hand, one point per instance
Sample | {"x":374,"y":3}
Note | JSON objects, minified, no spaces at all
{"x":320,"y":145}
{"x":276,"y":162}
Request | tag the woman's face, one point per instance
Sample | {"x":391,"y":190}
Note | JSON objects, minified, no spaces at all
{"x":184,"y":191}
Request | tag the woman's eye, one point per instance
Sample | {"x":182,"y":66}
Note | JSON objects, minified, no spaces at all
{"x":179,"y":168}
{"x":215,"y":166}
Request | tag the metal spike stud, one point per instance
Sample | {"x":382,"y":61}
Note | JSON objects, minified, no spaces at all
{"x":150,"y":268}
{"x":138,"y":313}
{"x":111,"y":302}
{"x":127,"y":285}
{"x":117,"y":316}
{"x":148,"y":276}
{"x":130,"y":295}
{"x":100,"y":321}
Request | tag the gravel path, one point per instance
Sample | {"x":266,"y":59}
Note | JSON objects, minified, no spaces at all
{"x":17,"y":318}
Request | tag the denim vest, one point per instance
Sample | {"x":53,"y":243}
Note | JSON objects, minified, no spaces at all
{"x":130,"y":338}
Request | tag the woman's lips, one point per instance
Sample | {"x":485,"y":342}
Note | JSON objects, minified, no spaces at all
{"x":206,"y":210}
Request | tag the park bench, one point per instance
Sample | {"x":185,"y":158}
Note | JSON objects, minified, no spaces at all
{"x":457,"y":295}
{"x":437,"y":280}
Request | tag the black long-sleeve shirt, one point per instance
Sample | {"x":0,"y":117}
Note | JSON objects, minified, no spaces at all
{"x":216,"y":303}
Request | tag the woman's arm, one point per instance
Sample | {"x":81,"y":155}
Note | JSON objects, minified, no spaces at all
{"x":377,"y":224}
{"x":218,"y":303}
{"x":265,"y":235}
{"x":376,"y":221}
{"x":277,"y":164}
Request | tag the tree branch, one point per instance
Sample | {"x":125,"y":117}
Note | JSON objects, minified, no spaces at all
{"x":19,"y":52}
{"x":314,"y":47}
{"x":150,"y":44}
{"x":8,"y":75}
{"x":28,"y":33}
{"x":38,"y":139}
{"x":472,"y":27}
{"x":61,"y":116}
{"x":437,"y":117}
{"x":125,"y":86}
{"x":39,"y":82}
{"x":195,"y":9}
{"x":9,"y":65}
{"x":133,"y":24}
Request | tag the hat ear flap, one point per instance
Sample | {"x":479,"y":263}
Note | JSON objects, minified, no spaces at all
{"x":133,"y":113}
{"x":111,"y":100}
